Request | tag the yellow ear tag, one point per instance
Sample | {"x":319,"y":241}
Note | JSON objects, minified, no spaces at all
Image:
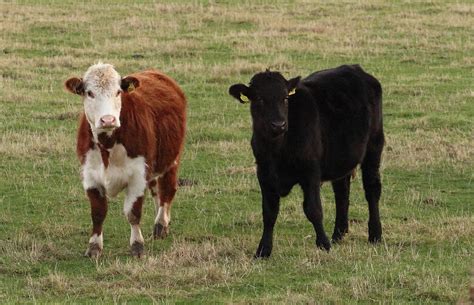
{"x":292,"y":92}
{"x":244,"y":99}
{"x":131,"y":87}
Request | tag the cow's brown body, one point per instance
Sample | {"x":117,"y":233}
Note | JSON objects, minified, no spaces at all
{"x":153,"y":123}
{"x":143,"y":151}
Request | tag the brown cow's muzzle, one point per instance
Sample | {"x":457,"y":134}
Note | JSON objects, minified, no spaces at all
{"x":108,"y":122}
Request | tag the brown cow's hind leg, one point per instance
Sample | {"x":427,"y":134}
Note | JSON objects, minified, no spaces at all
{"x":167,"y":186}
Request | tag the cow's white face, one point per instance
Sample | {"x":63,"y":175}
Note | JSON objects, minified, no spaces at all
{"x":101,"y":89}
{"x":102,"y":97}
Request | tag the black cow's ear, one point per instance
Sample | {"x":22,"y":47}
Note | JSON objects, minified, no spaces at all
{"x":75,"y":85}
{"x":129,"y":83}
{"x":242,"y":93}
{"x":292,"y":84}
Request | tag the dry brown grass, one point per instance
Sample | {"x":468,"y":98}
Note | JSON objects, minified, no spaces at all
{"x":447,"y":147}
{"x":35,"y":145}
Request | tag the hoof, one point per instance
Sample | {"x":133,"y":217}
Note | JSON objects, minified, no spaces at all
{"x":323,"y":244}
{"x":94,"y":251}
{"x":375,"y":232}
{"x":160,"y":231}
{"x":337,"y":238}
{"x":338,"y":235}
{"x":263,"y":251}
{"x":375,"y":239}
{"x":137,"y":249}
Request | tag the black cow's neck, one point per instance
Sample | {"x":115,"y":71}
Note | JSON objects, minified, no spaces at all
{"x":265,"y":148}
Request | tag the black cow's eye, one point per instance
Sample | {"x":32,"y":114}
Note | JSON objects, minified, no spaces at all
{"x":90,"y":94}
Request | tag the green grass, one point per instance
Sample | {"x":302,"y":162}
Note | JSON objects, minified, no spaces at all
{"x":421,"y":52}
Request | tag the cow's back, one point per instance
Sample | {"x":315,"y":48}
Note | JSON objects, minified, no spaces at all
{"x":349,"y":105}
{"x":159,"y":90}
{"x":163,"y":104}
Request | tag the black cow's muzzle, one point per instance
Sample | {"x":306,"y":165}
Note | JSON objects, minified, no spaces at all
{"x":278,"y":127}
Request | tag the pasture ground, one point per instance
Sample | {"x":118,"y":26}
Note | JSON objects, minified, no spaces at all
{"x":423,"y":54}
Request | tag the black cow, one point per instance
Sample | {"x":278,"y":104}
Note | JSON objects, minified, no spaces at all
{"x":314,"y":130}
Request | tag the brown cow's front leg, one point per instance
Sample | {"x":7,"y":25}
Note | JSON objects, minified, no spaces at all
{"x":167,"y":186}
{"x":98,"y":212}
{"x":133,"y":212}
{"x":136,"y":237}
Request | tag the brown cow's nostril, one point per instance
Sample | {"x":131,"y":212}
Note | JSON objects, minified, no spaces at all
{"x":107,"y":120}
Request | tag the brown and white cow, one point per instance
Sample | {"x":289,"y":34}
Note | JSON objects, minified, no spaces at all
{"x":130,"y":136}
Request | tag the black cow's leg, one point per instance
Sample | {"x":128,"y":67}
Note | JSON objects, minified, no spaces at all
{"x":372,"y":186}
{"x":341,"y":190}
{"x":270,"y":207}
{"x":314,"y":211}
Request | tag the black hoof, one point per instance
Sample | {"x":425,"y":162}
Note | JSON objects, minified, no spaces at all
{"x":337,"y":238}
{"x":338,"y":235}
{"x":375,"y":232}
{"x":160,"y":231}
{"x":136,"y":250}
{"x":374,"y":239}
{"x":323,"y":244}
{"x":94,"y":251}
{"x":263,"y":252}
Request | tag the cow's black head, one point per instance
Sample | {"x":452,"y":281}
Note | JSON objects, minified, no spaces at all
{"x":268,"y":96}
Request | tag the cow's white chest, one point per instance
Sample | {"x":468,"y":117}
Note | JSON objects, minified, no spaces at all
{"x":121,"y":172}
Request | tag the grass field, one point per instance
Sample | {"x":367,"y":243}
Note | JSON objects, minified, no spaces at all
{"x":423,"y":54}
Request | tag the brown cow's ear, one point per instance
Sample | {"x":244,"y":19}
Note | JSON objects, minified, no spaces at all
{"x":75,"y":85}
{"x":292,"y":84}
{"x":241,"y":92}
{"x":129,"y":83}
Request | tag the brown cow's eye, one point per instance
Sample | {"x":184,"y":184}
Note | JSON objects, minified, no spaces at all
{"x":90,"y":94}
{"x":118,"y":92}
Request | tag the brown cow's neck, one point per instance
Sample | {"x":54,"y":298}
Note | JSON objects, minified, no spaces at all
{"x":105,"y":142}
{"x":104,"y":153}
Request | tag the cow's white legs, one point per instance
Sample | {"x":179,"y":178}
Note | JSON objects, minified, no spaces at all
{"x":163,"y":215}
{"x":133,"y":211}
{"x":96,"y":245}
{"x":162,"y":211}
